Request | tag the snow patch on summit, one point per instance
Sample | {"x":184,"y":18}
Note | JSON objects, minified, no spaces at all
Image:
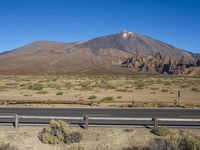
{"x":126,"y":34}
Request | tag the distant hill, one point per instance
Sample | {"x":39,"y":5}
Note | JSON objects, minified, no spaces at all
{"x":100,"y":55}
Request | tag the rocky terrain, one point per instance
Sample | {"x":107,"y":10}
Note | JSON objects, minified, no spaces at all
{"x":101,"y":55}
{"x":160,"y":64}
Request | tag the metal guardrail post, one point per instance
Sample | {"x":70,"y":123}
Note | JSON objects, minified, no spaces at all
{"x":16,"y":121}
{"x":86,"y":119}
{"x":155,"y":120}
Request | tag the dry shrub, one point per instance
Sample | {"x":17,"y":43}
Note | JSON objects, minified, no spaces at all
{"x":180,"y":141}
{"x":161,"y":131}
{"x":156,"y":144}
{"x":7,"y":146}
{"x":59,"y":93}
{"x":58,"y":132}
{"x":74,"y":137}
{"x":36,"y":86}
{"x":184,"y":141}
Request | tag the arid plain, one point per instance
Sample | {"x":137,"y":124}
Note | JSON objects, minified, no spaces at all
{"x":100,"y":91}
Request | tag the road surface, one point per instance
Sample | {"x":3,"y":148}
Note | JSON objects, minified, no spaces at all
{"x":112,"y":113}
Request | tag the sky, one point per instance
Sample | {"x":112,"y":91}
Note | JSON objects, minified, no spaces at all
{"x":176,"y":22}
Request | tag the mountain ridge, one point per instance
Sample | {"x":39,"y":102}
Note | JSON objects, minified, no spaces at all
{"x":101,"y":54}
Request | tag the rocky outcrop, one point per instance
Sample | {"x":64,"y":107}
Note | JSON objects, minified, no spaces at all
{"x":158,"y":64}
{"x":198,"y":63}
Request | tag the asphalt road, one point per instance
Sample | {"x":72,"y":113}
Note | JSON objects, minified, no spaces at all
{"x":114,"y":113}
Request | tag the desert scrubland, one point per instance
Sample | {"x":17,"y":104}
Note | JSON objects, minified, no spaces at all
{"x":101,"y":91}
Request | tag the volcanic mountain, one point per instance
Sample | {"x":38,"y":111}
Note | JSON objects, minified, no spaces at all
{"x":100,"y":55}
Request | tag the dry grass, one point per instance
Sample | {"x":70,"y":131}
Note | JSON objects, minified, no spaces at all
{"x":145,"y":91}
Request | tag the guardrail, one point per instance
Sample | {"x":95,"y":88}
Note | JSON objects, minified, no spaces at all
{"x":87,"y":118}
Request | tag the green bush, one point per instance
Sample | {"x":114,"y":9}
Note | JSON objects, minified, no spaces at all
{"x":58,"y":87}
{"x":164,"y":90}
{"x":36,"y":86}
{"x":109,"y":86}
{"x":59,"y":93}
{"x":87,"y":88}
{"x":185,"y":86}
{"x":44,"y":80}
{"x":108,"y":98}
{"x":92,"y":97}
{"x":22,"y":85}
{"x":119,"y":97}
{"x":139,"y":88}
{"x":67,"y":85}
{"x":121,"y":90}
{"x":42,"y":92}
{"x":139,"y":84}
{"x":161,"y":131}
{"x":195,"y":89}
{"x":167,"y":83}
{"x":154,"y":88}
{"x":2,"y":87}
{"x":55,"y":79}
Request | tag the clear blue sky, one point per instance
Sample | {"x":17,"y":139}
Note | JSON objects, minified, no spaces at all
{"x":173,"y":21}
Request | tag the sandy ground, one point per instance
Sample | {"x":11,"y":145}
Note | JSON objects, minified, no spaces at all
{"x":93,"y":138}
{"x":121,"y":89}
{"x":25,"y":138}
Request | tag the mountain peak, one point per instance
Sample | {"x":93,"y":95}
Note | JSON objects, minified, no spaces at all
{"x":101,"y":54}
{"x":125,"y":34}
